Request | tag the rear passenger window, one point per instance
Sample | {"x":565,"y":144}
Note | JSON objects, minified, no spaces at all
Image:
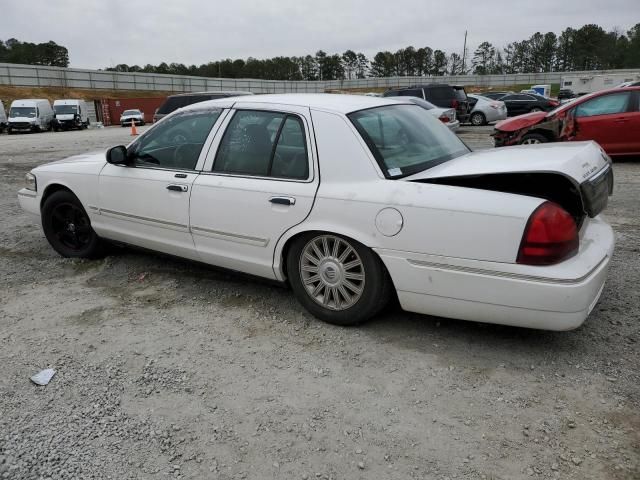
{"x":265,"y":144}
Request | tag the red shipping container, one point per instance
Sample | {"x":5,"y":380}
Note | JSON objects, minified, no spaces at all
{"x":147,"y":105}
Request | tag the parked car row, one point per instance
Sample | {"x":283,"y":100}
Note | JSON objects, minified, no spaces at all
{"x":37,"y":114}
{"x":476,"y":109}
{"x":520,"y":103}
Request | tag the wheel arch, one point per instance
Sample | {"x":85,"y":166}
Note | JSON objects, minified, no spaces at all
{"x":52,"y":188}
{"x":479,"y":112}
{"x":285,"y":242}
{"x":548,"y":134}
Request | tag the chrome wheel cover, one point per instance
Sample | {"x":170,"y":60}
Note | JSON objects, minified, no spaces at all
{"x":332,"y":272}
{"x":531,"y":141}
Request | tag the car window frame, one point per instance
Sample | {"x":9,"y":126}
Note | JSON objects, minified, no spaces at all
{"x":214,"y":147}
{"x":205,"y":146}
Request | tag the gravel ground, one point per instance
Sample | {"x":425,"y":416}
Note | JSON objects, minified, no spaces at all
{"x":168,"y":369}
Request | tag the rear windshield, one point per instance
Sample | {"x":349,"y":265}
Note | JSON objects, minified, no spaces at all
{"x":131,"y":112}
{"x":22,"y":112}
{"x":405,"y":139}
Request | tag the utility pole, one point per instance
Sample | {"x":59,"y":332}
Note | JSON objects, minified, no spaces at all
{"x":464,"y":53}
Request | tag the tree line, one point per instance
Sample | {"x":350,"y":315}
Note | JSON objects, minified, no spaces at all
{"x":587,"y":48}
{"x":49,"y":53}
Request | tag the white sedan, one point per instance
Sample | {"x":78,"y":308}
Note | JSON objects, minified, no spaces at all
{"x":350,"y":200}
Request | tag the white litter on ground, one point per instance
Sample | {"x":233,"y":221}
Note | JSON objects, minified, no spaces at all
{"x":43,"y":377}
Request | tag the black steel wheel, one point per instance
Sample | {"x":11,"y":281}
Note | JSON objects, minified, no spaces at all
{"x":67,"y":226}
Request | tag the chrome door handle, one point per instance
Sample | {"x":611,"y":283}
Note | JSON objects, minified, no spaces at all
{"x":283,"y":200}
{"x":174,"y":187}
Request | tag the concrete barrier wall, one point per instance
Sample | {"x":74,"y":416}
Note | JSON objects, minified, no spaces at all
{"x":38,"y":76}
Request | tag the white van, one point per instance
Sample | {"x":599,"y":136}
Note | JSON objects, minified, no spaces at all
{"x":3,"y":118}
{"x":31,"y":115}
{"x":70,"y":114}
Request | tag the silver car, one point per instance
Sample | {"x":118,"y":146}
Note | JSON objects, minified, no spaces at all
{"x":445,"y":115}
{"x":485,"y":110}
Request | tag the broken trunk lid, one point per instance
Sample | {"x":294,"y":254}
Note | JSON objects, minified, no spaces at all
{"x":576,"y":175}
{"x":575,"y":160}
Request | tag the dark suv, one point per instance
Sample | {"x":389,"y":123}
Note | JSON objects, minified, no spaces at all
{"x":175,"y":102}
{"x":441,"y":95}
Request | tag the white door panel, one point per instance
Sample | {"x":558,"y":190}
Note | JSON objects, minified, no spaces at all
{"x":237,"y":218}
{"x":147,"y":203}
{"x":236,"y":225}
{"x":138,"y":208}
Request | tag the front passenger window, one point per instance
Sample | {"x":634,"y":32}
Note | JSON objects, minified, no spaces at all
{"x":604,"y":105}
{"x":176,"y":142}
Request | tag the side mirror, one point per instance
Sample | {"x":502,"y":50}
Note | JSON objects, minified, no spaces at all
{"x":118,"y":155}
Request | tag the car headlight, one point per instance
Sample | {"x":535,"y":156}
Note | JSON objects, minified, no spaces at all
{"x":30,"y":180}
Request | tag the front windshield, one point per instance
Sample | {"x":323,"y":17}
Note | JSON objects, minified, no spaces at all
{"x":131,"y":112}
{"x":65,"y":109}
{"x":564,"y":106}
{"x":22,"y":112}
{"x":405,"y":139}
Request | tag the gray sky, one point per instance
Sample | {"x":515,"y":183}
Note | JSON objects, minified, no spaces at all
{"x":102,"y":33}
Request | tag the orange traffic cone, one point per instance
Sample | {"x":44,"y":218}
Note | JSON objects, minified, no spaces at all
{"x":134,"y":132}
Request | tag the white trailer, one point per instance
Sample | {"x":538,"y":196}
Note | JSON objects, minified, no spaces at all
{"x":587,"y":83}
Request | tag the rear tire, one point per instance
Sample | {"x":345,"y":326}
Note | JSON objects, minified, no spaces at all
{"x":337,"y":279}
{"x":68,"y":228}
{"x":533,"y":139}
{"x":477,"y":119}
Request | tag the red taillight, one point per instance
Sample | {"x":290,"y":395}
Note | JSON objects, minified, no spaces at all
{"x":553,"y":103}
{"x":454,"y":103}
{"x":443,"y":118}
{"x":551,"y":236}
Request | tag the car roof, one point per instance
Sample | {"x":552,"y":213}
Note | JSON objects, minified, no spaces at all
{"x":332,"y":102}
{"x":212,"y":92}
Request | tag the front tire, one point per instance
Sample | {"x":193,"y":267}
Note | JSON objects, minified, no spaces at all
{"x":68,"y":228}
{"x":337,"y":279}
{"x":477,"y":119}
{"x":533,"y":139}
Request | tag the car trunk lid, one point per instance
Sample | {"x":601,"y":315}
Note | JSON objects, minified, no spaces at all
{"x":577,"y":175}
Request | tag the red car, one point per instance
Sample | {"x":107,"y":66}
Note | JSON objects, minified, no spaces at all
{"x":610,"y":117}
